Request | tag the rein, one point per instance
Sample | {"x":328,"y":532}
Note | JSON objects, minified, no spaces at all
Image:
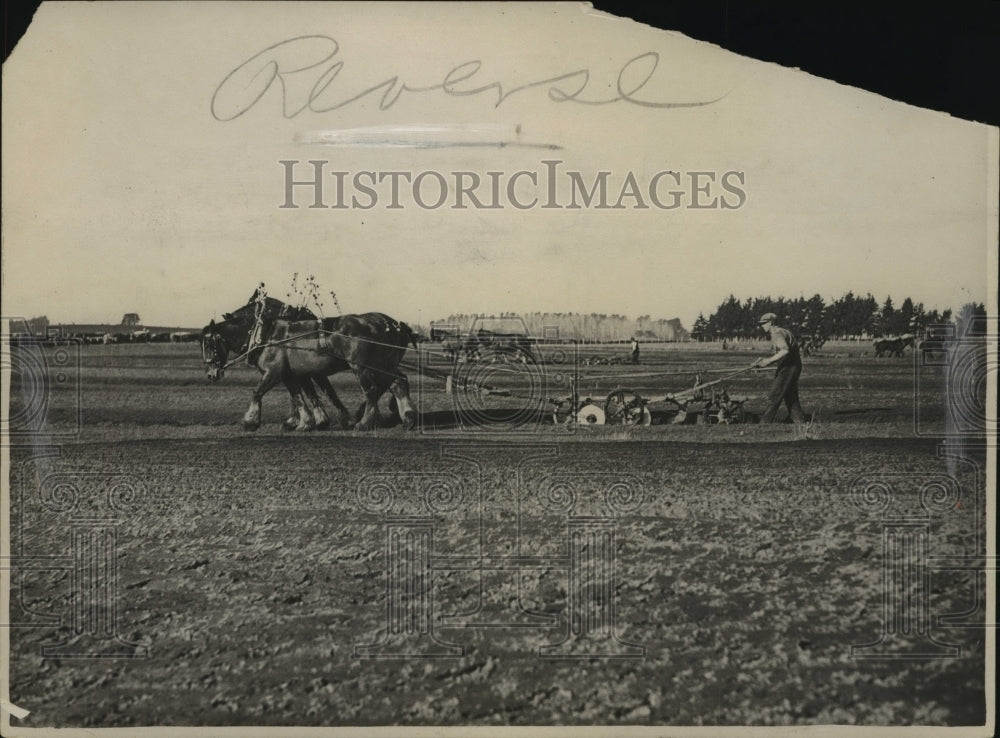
{"x":297,"y":336}
{"x":481,"y":388}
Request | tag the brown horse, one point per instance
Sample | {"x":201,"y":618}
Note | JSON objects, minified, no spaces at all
{"x":506,"y":346}
{"x":893,"y":347}
{"x":301,"y":352}
{"x":371,"y":345}
{"x":242,"y":332}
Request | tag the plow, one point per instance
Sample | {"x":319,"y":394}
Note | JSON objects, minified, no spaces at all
{"x":706,"y":402}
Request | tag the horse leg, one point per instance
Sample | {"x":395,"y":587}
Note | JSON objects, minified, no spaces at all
{"x":251,"y":419}
{"x":368,"y":412}
{"x":400,"y":389}
{"x":392,"y":419}
{"x":320,"y":419}
{"x":397,"y":412}
{"x":323,"y":383}
{"x":295,"y":401}
{"x":311,"y":412}
{"x":293,"y":414}
{"x":303,"y":407}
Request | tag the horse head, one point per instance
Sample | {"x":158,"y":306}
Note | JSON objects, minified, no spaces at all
{"x":214,"y":351}
{"x":233,"y":333}
{"x":219,"y":340}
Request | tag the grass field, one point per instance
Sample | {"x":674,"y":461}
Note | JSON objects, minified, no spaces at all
{"x":184,"y":572}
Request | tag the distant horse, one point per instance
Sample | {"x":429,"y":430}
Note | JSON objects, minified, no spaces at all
{"x":893,"y":347}
{"x":811,"y":344}
{"x":503,"y":345}
{"x":242,"y":333}
{"x":298,"y":352}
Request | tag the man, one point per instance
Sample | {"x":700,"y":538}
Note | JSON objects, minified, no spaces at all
{"x":785,"y":387}
{"x":635,"y":350}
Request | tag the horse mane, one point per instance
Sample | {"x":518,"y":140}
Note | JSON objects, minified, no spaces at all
{"x":273,"y":308}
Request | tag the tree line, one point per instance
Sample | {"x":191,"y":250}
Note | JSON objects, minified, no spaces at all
{"x":601,"y":327}
{"x":848,"y":317}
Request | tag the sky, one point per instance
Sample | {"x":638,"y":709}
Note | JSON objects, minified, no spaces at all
{"x":143,"y":148}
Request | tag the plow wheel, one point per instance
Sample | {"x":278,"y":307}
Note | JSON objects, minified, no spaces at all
{"x":626,"y":407}
{"x":734,"y":414}
{"x":590,"y":415}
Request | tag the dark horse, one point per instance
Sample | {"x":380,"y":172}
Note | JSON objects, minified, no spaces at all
{"x":300,"y":352}
{"x":893,"y":347}
{"x":371,"y":345}
{"x":507,"y":346}
{"x":242,"y":332}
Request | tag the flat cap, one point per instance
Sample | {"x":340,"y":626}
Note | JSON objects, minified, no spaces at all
{"x":767,"y":318}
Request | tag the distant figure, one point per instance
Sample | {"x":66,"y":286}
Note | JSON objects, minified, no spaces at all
{"x":785,"y":387}
{"x":635,"y":350}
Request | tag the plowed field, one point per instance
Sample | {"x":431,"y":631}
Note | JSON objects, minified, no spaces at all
{"x":171,"y":569}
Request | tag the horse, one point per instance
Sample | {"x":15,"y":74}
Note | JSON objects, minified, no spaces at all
{"x":893,"y":347}
{"x":242,"y":332}
{"x":299,"y":351}
{"x":503,"y":345}
{"x":371,"y":345}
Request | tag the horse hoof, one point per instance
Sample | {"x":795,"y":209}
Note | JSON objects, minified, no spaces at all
{"x":305,"y":427}
{"x":248,"y":426}
{"x":409,"y":421}
{"x":322,"y":425}
{"x":290,"y":424}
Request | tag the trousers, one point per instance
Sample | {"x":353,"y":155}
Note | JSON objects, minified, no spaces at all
{"x":785,"y":389}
